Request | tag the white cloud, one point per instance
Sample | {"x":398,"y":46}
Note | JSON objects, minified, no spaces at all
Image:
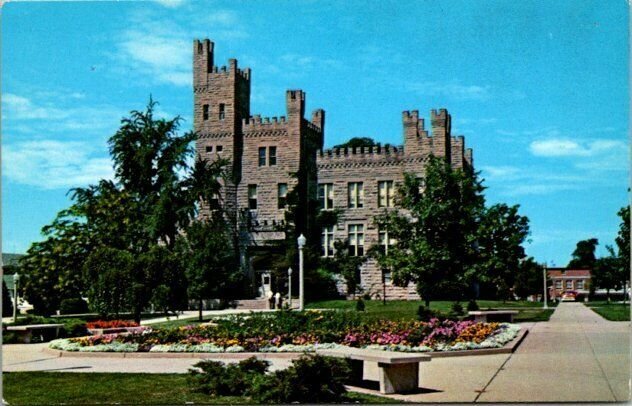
{"x":170,"y":3}
{"x":559,"y":147}
{"x":452,"y":89}
{"x":53,"y":164}
{"x":160,"y":50}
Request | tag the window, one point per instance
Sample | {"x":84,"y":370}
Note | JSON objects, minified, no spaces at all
{"x":214,"y":202}
{"x":222,"y":111}
{"x":327,"y":242}
{"x":272,"y":156}
{"x":385,"y":242}
{"x":326,"y":195}
{"x":356,"y":240}
{"x":282,"y":195}
{"x":386,"y":276}
{"x":205,"y":112}
{"x":356,"y":195}
{"x":209,"y":148}
{"x":558,"y":284}
{"x":580,"y":284}
{"x":569,"y":284}
{"x":386,"y":193}
{"x":219,"y":148}
{"x":262,"y":156}
{"x":252,"y":197}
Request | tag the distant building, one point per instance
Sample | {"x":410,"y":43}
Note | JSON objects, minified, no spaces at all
{"x":269,"y":156}
{"x":564,"y":280}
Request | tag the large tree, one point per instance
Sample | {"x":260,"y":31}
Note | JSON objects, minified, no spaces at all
{"x":623,"y":243}
{"x":584,"y":254}
{"x":210,"y":261}
{"x":153,"y":198}
{"x":436,"y":232}
{"x":606,"y":274}
{"x":529,"y":278}
{"x":501,"y":233}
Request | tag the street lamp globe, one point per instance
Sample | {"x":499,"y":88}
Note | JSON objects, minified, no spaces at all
{"x":289,"y":271}
{"x":301,"y":241}
{"x":16,"y":277}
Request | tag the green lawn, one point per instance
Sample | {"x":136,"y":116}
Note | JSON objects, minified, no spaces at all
{"x":51,"y":388}
{"x":407,"y":309}
{"x":611,"y":311}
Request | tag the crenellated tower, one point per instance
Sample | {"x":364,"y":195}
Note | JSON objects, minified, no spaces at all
{"x":221,"y":101}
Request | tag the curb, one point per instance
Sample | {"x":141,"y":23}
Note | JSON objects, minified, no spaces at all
{"x":506,"y":349}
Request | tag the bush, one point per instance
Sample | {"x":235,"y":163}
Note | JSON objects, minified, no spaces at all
{"x":215,"y":378}
{"x":360,"y":306}
{"x":457,"y":309}
{"x":74,"y":328}
{"x":75,"y":305}
{"x":472,"y":305}
{"x":424,"y":313}
{"x":313,"y":378}
{"x":367,"y":296}
{"x":7,"y":303}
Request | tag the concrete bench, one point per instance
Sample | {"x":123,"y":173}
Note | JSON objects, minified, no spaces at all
{"x":483,"y":316}
{"x":398,"y":372}
{"x":26,"y":332}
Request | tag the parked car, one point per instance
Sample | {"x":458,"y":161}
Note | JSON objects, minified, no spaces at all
{"x":569,"y":296}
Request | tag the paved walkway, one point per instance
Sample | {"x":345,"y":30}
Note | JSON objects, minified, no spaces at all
{"x":577,"y":356}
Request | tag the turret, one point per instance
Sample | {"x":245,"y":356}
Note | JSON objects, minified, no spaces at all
{"x":441,"y":123}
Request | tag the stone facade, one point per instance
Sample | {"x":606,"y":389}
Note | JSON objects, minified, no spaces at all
{"x":264,"y":152}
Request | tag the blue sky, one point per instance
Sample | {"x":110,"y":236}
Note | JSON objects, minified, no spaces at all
{"x":539,"y":89}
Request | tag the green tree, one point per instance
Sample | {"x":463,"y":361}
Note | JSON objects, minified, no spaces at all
{"x":7,"y":303}
{"x":210,"y":261}
{"x":584,"y":255}
{"x":155,"y":196}
{"x":356,"y":142}
{"x":501,"y":233}
{"x":436,"y":238}
{"x":606,"y":274}
{"x":623,"y":243}
{"x":528,"y":279}
{"x":110,"y":271}
{"x":345,"y":264}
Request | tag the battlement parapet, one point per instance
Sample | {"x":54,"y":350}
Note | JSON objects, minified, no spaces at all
{"x":269,"y":123}
{"x":313,"y":127}
{"x":373,"y":152}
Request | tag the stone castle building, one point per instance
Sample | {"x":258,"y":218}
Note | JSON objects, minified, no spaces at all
{"x":265,"y":152}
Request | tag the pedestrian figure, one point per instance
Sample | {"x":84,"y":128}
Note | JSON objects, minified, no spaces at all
{"x":279,"y":299}
{"x":270,"y":295}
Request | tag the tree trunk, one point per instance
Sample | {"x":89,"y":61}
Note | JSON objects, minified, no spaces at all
{"x":608,"y":295}
{"x":200,"y":310}
{"x":427,"y":301}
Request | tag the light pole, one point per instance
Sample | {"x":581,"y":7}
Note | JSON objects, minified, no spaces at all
{"x":16,"y":278}
{"x":546,"y":306}
{"x":301,"y":283}
{"x":289,"y":289}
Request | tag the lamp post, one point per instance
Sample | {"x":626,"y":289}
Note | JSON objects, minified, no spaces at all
{"x":546,"y":306}
{"x":289,"y":289}
{"x":301,"y":283}
{"x":16,"y":278}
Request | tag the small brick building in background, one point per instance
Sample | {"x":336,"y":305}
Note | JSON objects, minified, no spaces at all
{"x":565,"y":280}
{"x":265,"y":152}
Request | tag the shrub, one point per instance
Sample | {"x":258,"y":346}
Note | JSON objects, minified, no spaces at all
{"x":360,"y":306}
{"x":367,"y":296}
{"x":215,"y":378}
{"x":457,"y":309}
{"x":75,"y":305}
{"x":7,"y":303}
{"x":472,"y":305}
{"x":74,"y":328}
{"x":424,"y":313}
{"x":314,"y":378}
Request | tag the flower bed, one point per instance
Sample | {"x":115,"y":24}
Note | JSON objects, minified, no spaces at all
{"x":104,"y":324}
{"x":302,"y":332}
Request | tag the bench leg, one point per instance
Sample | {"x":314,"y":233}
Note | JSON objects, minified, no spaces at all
{"x":398,"y":378}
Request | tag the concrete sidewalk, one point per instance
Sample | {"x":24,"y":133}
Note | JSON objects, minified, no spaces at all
{"x":576,"y":356}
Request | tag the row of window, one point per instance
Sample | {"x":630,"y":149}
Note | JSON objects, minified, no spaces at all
{"x":221,"y":113}
{"x":355,"y":194}
{"x":355,"y":238}
{"x":579,"y":284}
{"x":281,"y":196}
{"x":218,"y":148}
